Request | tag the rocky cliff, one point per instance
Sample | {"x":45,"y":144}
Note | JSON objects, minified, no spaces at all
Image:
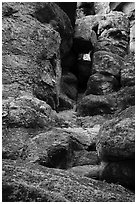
{"x":68,"y":101}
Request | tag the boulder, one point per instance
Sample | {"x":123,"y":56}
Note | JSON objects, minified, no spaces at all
{"x":69,"y":116}
{"x":51,"y":149}
{"x":112,"y":46}
{"x":116,"y":140}
{"x":106,"y":62}
{"x":114,"y":40}
{"x":100,"y":84}
{"x":125,"y":97}
{"x":96,"y":105}
{"x":128,"y":71}
{"x":27,"y":111}
{"x":114,"y":19}
{"x":85,"y":28}
{"x":30,"y":182}
{"x":56,"y":147}
{"x":120,"y":172}
{"x":86,"y":137}
{"x":31,"y":46}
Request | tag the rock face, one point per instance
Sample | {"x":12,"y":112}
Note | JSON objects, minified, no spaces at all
{"x":31,"y":43}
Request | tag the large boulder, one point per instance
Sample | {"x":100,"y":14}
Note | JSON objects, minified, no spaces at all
{"x":106,"y":62}
{"x":113,"y":31}
{"x":120,"y":172}
{"x":56,"y":148}
{"x":27,"y":111}
{"x":30,"y":182}
{"x":101,"y":84}
{"x":114,"y":40}
{"x":96,"y":105}
{"x":114,"y":20}
{"x":116,"y":140}
{"x":31,"y":49}
{"x":85,"y":33}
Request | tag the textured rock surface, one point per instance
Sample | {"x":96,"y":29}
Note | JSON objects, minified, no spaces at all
{"x":128,"y":72}
{"x":31,"y":44}
{"x":85,"y":157}
{"x":117,"y":140}
{"x":113,"y":31}
{"x":85,"y":28}
{"x":99,"y":84}
{"x":34,"y":183}
{"x":125,"y":97}
{"x":27,"y":111}
{"x":112,"y":20}
{"x":106,"y":62}
{"x":96,"y":105}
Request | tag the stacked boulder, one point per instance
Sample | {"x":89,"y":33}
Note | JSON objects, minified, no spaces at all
{"x":111,"y":90}
{"x":116,"y":150}
{"x":108,"y":62}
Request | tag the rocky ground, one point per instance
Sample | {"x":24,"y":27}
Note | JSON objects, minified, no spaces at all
{"x":68,"y":102}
